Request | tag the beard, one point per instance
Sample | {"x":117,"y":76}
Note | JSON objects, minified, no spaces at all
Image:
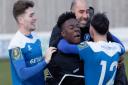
{"x":82,"y":25}
{"x":83,"y":22}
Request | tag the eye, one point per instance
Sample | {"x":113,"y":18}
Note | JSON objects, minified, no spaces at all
{"x":81,"y":11}
{"x":71,"y":27}
{"x":87,"y":11}
{"x":78,"y":26}
{"x":32,"y":14}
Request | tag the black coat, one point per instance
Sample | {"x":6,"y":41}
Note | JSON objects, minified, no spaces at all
{"x":62,"y":64}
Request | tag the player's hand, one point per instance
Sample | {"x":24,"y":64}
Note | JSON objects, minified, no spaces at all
{"x":48,"y":53}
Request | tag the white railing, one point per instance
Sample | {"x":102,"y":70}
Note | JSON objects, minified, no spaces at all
{"x":5,"y":39}
{"x":121,"y":33}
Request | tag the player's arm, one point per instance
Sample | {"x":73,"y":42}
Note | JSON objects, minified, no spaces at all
{"x":19,"y":64}
{"x":67,"y":48}
{"x":122,"y":52}
{"x":111,"y":37}
{"x":121,"y":55}
{"x":81,"y":49}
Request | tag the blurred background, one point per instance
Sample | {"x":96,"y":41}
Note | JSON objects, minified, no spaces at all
{"x":47,"y":12}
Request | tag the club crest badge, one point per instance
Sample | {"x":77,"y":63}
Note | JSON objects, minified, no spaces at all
{"x":29,"y":47}
{"x":87,"y":37}
{"x":16,"y":53}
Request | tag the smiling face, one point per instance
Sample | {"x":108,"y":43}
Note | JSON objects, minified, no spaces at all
{"x":81,"y":11}
{"x":71,"y":31}
{"x":28,"y":20}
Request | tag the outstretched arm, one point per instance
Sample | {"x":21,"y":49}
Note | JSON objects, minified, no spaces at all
{"x":19,"y":64}
{"x":67,"y":48}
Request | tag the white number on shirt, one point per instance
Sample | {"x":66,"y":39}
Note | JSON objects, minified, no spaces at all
{"x":104,"y":65}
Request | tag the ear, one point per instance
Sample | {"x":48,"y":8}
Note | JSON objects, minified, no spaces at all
{"x":91,"y":31}
{"x":63,"y":33}
{"x":20,"y":19}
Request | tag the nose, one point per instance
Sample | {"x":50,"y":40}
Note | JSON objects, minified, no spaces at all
{"x":85,"y":15}
{"x":34,"y":18}
{"x":77,"y":29}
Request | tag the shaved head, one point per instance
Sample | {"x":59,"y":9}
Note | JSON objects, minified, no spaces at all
{"x":76,"y":3}
{"x":80,"y":8}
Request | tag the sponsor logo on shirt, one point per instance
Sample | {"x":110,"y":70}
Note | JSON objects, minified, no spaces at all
{"x":36,"y":60}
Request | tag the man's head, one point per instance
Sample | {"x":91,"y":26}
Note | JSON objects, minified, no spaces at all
{"x":79,"y":7}
{"x":69,"y":27}
{"x":99,"y":24}
{"x":24,"y":14}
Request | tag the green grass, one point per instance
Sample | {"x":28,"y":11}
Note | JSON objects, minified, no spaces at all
{"x":126,"y":63}
{"x":5,"y":78}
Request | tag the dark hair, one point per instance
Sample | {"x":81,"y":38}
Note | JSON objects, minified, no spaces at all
{"x":91,"y":11}
{"x":20,"y":6}
{"x":100,"y":23}
{"x":63,"y":17}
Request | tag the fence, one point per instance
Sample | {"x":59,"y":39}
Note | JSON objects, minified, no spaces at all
{"x":121,"y":33}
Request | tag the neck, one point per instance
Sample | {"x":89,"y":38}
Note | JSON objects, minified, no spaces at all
{"x":100,"y":38}
{"x":23,"y":30}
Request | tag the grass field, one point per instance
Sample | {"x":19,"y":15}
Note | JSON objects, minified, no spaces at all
{"x":126,"y":63}
{"x":5,"y":78}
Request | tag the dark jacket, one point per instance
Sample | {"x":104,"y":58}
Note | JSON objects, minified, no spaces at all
{"x":62,"y":64}
{"x":55,"y":36}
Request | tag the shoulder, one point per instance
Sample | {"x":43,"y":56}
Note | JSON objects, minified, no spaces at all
{"x":15,"y":42}
{"x":109,"y":48}
{"x":83,"y":45}
{"x":15,"y":53}
{"x":117,"y":47}
{"x":56,"y":29}
{"x":20,"y":40}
